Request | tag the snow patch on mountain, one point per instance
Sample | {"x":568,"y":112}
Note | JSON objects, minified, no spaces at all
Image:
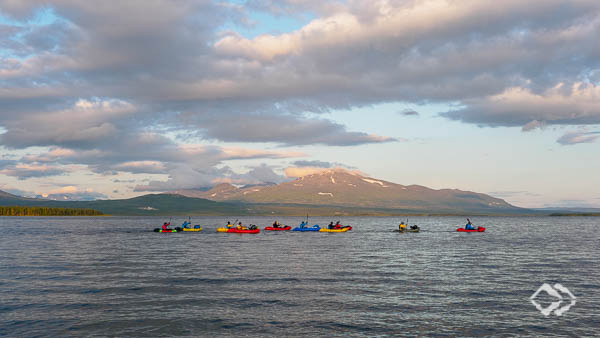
{"x":375,"y":182}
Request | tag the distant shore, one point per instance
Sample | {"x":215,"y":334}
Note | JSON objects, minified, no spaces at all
{"x":45,"y":211}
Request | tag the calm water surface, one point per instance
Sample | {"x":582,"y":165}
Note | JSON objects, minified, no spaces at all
{"x":113,"y":276}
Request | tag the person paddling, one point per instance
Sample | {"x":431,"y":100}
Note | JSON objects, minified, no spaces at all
{"x":166,"y":226}
{"x":275,"y":224}
{"x":331,"y":225}
{"x":402,"y":226}
{"x":469,"y":226}
{"x":240,"y":226}
{"x":303,"y":225}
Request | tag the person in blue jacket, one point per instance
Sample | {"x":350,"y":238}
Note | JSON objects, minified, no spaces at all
{"x":303,"y":225}
{"x":185,"y":224}
{"x":469,"y":226}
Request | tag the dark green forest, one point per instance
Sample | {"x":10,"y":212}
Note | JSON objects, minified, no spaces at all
{"x":45,"y":211}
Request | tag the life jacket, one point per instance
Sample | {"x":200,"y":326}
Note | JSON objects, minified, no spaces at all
{"x":165,"y":226}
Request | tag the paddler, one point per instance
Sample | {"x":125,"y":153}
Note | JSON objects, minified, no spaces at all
{"x":331,"y":225}
{"x":469,"y":226}
{"x":275,"y":224}
{"x":166,"y":226}
{"x":402,"y":226}
{"x":240,"y":226}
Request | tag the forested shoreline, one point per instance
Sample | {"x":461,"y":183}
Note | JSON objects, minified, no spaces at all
{"x":46,"y":211}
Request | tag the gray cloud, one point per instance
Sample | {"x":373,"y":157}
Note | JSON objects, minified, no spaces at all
{"x":23,"y":172}
{"x":318,"y":164}
{"x":409,"y":112}
{"x":576,"y":137}
{"x":263,"y":174}
{"x":285,"y":129}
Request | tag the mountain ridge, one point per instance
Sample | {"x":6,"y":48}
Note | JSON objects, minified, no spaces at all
{"x":328,"y":192}
{"x":343,"y":188}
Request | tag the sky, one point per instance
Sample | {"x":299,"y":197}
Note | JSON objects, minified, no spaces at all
{"x":120,"y":99}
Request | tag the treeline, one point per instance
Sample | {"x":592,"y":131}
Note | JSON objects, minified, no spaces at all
{"x":45,"y":211}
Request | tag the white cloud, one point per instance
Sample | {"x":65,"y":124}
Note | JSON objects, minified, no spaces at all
{"x":576,"y":137}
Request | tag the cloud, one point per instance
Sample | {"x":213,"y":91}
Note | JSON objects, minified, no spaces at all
{"x":141,"y":167}
{"x":562,"y":104}
{"x":83,"y":125}
{"x":317,"y":164}
{"x":409,"y":112}
{"x":263,"y":174}
{"x":285,"y":129}
{"x":352,"y":54}
{"x":186,"y":177}
{"x":535,"y":124}
{"x":576,"y":137}
{"x":321,"y":164}
{"x":72,"y":193}
{"x":294,"y":172}
{"x":25,"y":171}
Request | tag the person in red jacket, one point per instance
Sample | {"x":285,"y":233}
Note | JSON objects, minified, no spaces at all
{"x":166,"y":226}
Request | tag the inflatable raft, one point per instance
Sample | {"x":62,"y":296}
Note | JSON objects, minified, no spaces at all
{"x":237,"y":231}
{"x":479,"y":229}
{"x":285,"y":228}
{"x":315,"y":227}
{"x":195,"y":228}
{"x":344,"y":229}
{"x":178,"y":229}
{"x":407,"y":230}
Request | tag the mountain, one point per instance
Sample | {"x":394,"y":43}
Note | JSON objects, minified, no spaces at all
{"x":341,"y":188}
{"x":329,"y":192}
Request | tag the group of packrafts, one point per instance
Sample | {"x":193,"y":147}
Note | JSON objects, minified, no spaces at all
{"x":303,"y":227}
{"x":403,"y":227}
{"x":253,"y":229}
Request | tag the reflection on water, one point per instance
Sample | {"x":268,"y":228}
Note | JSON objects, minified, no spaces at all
{"x":114,"y":276}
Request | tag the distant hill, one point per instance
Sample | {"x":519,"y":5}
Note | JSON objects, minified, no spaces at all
{"x":152,"y":204}
{"x":340,"y":188}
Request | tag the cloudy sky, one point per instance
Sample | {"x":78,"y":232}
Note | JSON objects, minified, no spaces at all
{"x":113,"y":99}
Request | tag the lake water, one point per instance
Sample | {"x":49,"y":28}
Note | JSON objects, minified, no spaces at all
{"x":113,"y":276}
